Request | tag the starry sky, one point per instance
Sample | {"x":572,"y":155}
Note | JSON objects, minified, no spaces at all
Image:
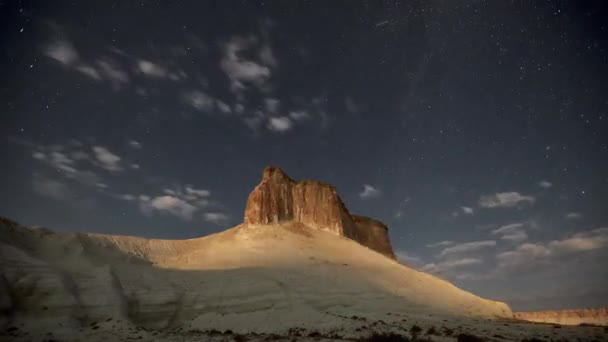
{"x":477,"y":131}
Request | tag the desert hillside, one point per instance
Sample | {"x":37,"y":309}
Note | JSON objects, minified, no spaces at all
{"x":247,"y":278}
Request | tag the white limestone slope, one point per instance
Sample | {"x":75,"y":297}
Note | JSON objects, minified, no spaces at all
{"x":265,"y":279}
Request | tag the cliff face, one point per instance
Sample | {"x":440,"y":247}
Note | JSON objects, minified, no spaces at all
{"x":567,"y":317}
{"x":317,"y":205}
{"x":373,"y":234}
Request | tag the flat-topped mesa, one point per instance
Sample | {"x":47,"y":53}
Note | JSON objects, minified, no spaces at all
{"x":317,"y":205}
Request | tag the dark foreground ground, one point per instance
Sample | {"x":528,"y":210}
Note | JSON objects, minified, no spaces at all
{"x":471,"y":330}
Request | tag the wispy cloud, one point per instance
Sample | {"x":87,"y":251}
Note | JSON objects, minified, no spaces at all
{"x":505,"y":200}
{"x":63,"y":51}
{"x":135,"y":144}
{"x":440,"y":244}
{"x":369,"y":192}
{"x":408,"y":259}
{"x":350,"y":105}
{"x":171,"y":205}
{"x":199,"y":100}
{"x":216,"y":218}
{"x":545,"y":184}
{"x":467,"y":210}
{"x":51,"y":188}
{"x":81,"y":163}
{"x":529,"y":255}
{"x":151,"y":69}
{"x":184,"y":202}
{"x":466,"y":248}
{"x":279,"y":124}
{"x":449,"y":265}
{"x":573,"y":215}
{"x":106,"y":159}
{"x":240,"y":70}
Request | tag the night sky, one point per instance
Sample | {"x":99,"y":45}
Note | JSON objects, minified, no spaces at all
{"x":477,"y":131}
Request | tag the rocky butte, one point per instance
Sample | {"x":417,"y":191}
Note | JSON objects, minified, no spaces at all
{"x":280,"y":199}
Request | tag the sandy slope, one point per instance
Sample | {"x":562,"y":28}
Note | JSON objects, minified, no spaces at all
{"x":247,"y":279}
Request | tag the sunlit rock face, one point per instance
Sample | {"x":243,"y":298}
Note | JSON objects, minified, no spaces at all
{"x":597,"y":316}
{"x":278,"y":198}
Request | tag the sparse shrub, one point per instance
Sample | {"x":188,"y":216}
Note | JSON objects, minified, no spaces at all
{"x":228,"y":332}
{"x":431,"y":331}
{"x":240,"y":338}
{"x":499,"y":336}
{"x":385,"y":337}
{"x":314,"y":334}
{"x":272,"y":337}
{"x":469,"y":338}
{"x":213,"y":332}
{"x":415,"y":330}
{"x":447,"y":331}
{"x":533,"y":339}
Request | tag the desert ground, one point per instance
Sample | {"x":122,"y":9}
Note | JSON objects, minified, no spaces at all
{"x":276,"y":282}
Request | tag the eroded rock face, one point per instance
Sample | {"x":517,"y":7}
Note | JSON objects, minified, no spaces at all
{"x":279,"y":198}
{"x":373,"y":234}
{"x":568,"y":317}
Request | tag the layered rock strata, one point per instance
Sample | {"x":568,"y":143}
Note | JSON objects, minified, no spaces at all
{"x":278,"y":199}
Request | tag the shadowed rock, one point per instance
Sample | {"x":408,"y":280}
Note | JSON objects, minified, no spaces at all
{"x":278,"y":198}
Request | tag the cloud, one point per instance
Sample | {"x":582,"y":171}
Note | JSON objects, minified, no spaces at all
{"x":187,"y":203}
{"x":450,"y":265}
{"x":50,"y":188}
{"x":171,"y":205}
{"x":65,"y":162}
{"x":127,"y":197}
{"x":513,"y":232}
{"x":151,"y":69}
{"x":267,"y":56}
{"x":369,"y":192}
{"x":88,"y":71}
{"x":112,"y":72}
{"x":192,"y":193}
{"x":299,"y":115}
{"x":516,"y":236}
{"x":529,"y":255}
{"x":466,"y":248}
{"x":239,"y":70}
{"x":440,"y":244}
{"x":216,"y":218}
{"x":581,"y":242}
{"x":350,"y":105}
{"x":107,"y":159}
{"x":135,"y":144}
{"x":199,"y":100}
{"x":407,"y":259}
{"x":63,"y":51}
{"x":467,"y":210}
{"x":573,"y":215}
{"x":76,"y":162}
{"x":509,"y":228}
{"x":223,"y":107}
{"x":279,"y":124}
{"x":504,"y":199}
{"x":272,"y":105}
{"x":545,"y":184}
